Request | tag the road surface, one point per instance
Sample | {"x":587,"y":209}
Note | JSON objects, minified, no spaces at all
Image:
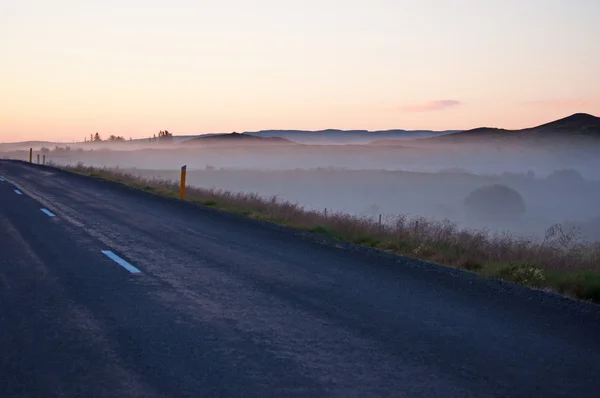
{"x":110,"y":292}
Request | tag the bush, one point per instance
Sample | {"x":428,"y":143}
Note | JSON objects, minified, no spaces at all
{"x":521,"y":273}
{"x":494,"y":203}
{"x":566,"y":176}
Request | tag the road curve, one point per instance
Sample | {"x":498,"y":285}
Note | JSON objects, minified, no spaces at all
{"x":110,"y":292}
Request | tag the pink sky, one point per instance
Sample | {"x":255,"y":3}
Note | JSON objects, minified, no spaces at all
{"x":133,"y":67}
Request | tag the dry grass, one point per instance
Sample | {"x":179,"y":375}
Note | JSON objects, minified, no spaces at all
{"x":560,"y":262}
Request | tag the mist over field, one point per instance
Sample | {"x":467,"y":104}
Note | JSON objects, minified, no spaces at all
{"x":557,"y":181}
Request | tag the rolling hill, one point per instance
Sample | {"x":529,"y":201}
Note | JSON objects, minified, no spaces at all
{"x":335,"y":136}
{"x":237,"y":139}
{"x":577,"y":126}
{"x":580,"y":127}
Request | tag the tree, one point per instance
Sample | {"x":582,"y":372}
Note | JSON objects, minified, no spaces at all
{"x":494,"y":203}
{"x":97,"y":137}
{"x":115,"y":138}
{"x":165,"y":135}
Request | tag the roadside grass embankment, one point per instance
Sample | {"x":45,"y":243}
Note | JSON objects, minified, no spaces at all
{"x":560,"y":262}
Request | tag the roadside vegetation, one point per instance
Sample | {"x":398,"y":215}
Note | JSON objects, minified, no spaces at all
{"x":560,"y":262}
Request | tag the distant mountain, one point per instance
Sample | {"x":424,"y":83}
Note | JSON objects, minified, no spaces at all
{"x":237,"y":139}
{"x":334,"y":136}
{"x":579,"y":125}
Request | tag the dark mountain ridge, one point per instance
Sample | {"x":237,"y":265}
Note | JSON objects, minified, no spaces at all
{"x":577,"y":125}
{"x":577,"y":121}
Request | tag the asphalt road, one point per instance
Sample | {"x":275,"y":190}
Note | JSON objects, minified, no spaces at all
{"x":112,"y":292}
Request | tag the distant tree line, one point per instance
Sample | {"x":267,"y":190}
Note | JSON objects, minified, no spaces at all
{"x":162,"y":136}
{"x":98,"y":138}
{"x":66,"y":148}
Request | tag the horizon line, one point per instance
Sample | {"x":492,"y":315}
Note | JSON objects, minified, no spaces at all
{"x":299,"y":130}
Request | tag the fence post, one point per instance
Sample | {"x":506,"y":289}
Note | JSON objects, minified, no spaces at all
{"x":30,"y":155}
{"x":380,"y":221}
{"x":44,"y":159}
{"x":182,"y":186}
{"x":38,"y":158}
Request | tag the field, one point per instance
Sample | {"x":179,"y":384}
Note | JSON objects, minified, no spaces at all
{"x":391,"y":200}
{"x":559,"y":262}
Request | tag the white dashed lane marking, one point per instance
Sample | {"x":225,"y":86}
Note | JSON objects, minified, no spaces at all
{"x":48,"y":213}
{"x":121,"y":262}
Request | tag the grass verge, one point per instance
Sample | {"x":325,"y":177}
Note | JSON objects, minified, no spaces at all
{"x":560,"y":262}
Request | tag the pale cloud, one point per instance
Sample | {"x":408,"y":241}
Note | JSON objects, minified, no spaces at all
{"x":431,"y":106}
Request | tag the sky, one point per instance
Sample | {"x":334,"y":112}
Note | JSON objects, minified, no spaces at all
{"x":69,"y":68}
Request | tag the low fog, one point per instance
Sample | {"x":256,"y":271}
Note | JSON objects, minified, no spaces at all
{"x":557,"y":183}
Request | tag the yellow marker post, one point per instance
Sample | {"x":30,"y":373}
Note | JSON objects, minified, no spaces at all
{"x":30,"y":155}
{"x":182,"y":186}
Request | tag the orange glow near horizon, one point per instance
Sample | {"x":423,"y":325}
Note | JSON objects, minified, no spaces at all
{"x":131,"y":68}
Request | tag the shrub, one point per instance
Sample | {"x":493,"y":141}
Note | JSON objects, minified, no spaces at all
{"x":494,"y":203}
{"x":522,"y":273}
{"x":566,"y":176}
